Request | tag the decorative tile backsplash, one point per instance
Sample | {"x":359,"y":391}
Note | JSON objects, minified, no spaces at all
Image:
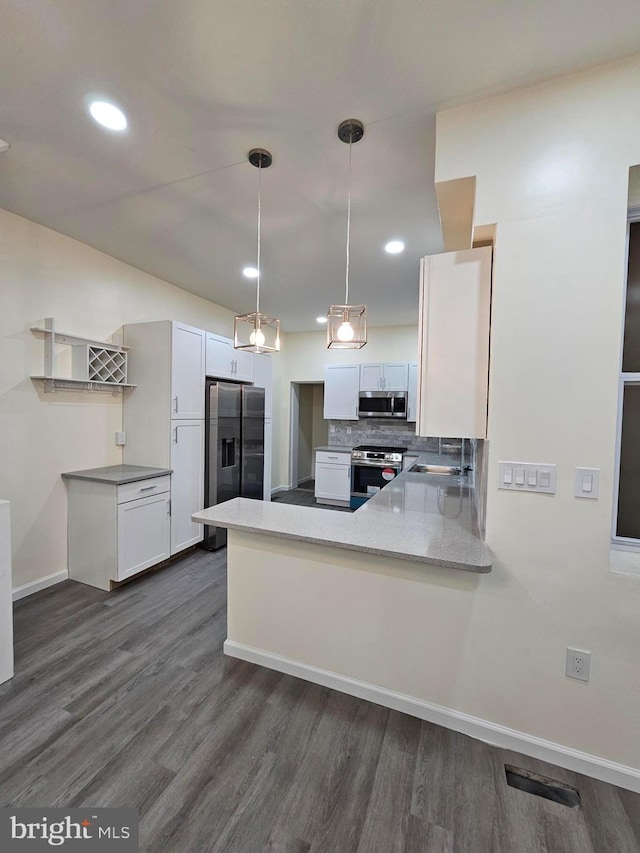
{"x":394,"y":434}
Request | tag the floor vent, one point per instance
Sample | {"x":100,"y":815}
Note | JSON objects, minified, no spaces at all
{"x":542,"y":786}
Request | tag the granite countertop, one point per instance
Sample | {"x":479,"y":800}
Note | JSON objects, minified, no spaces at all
{"x":333,"y":448}
{"x":422,"y":518}
{"x":117,"y":475}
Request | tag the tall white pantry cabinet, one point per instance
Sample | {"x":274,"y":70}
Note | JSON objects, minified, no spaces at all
{"x":164,"y":418}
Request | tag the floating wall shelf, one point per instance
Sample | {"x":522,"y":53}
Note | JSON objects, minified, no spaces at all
{"x":95,"y":365}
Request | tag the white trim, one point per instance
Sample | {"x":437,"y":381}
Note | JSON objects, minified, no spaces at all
{"x":484,"y":730}
{"x":277,"y":489}
{"x":42,"y":583}
{"x":619,"y":543}
{"x":633,"y":214}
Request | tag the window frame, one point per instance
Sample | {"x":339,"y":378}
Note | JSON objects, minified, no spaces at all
{"x":623,"y":543}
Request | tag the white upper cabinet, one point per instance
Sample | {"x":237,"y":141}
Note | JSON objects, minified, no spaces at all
{"x":220,"y":356}
{"x":223,"y":361}
{"x":244,"y":365}
{"x":412,"y":388}
{"x":390,"y":376}
{"x":453,"y":342}
{"x":168,"y":370}
{"x":187,"y":372}
{"x":395,"y":376}
{"x":341,"y":389}
{"x":371,"y":377}
{"x":263,"y":378}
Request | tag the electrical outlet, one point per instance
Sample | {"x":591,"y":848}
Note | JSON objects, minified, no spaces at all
{"x":578,"y":664}
{"x":121,"y":439}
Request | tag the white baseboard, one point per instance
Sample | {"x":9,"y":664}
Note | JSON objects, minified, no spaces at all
{"x":42,"y":583}
{"x":277,"y":489}
{"x":493,"y":733}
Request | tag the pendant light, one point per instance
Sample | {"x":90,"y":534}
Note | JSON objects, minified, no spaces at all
{"x":347,"y":324}
{"x":257,"y":332}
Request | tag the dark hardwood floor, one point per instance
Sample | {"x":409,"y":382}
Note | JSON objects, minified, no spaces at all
{"x":303,"y":496}
{"x":125,"y":699}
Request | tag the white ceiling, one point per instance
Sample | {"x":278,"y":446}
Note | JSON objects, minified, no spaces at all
{"x":203,"y":81}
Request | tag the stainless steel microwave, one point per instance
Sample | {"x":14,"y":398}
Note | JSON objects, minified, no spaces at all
{"x":382,"y":404}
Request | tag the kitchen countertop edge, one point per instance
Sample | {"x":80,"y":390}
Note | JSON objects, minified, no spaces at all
{"x":473,"y":568}
{"x":115,"y":475}
{"x":477,"y":559}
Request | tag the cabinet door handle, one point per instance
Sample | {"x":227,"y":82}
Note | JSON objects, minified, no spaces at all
{"x":175,"y":435}
{"x":175,"y":405}
{"x":332,"y":457}
{"x":147,"y":488}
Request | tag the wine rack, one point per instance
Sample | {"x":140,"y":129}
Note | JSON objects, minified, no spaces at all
{"x":95,"y":365}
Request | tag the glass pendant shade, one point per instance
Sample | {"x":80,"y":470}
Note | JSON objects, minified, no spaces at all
{"x":256,"y":332}
{"x":346,"y":326}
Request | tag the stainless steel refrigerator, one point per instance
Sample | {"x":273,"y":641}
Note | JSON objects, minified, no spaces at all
{"x":234,"y":448}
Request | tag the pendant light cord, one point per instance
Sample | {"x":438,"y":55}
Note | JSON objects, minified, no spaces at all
{"x":259,"y":219}
{"x":346,"y":286}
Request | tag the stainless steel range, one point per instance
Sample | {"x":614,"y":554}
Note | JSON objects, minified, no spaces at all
{"x":372,"y":467}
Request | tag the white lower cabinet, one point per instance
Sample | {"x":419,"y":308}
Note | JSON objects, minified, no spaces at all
{"x":116,"y":531}
{"x":187,"y":482}
{"x":333,"y":478}
{"x":144,"y":534}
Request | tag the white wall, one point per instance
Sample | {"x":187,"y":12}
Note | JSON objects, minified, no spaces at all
{"x":552,"y":167}
{"x":44,"y":274}
{"x":303,"y":358}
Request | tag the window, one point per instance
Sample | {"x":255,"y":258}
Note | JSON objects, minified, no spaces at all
{"x":626,"y":527}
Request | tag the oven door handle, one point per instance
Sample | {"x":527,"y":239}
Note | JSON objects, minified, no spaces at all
{"x":397,"y":466}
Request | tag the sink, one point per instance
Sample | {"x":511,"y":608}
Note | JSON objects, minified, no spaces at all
{"x":437,"y":469}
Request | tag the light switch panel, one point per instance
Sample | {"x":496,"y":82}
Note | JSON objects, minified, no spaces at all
{"x":587,"y":483}
{"x":527,"y":477}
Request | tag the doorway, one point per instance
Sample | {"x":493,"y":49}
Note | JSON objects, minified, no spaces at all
{"x":308,"y":430}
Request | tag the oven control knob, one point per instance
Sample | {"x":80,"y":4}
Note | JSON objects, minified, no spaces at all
{"x":357,"y":454}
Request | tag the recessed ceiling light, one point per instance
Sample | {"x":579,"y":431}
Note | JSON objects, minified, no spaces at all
{"x":250,"y":272}
{"x":321,"y":319}
{"x":108,"y":115}
{"x":394,"y":247}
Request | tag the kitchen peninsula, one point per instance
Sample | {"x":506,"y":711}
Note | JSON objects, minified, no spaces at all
{"x":359,"y":602}
{"x":418,"y":517}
